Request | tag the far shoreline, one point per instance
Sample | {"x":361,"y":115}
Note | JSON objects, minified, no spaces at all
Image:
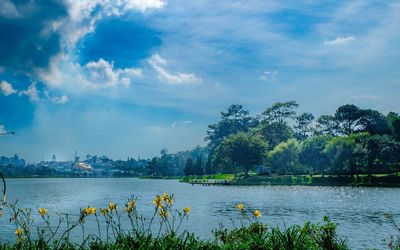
{"x":381,"y":181}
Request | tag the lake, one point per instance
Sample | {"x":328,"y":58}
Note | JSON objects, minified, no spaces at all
{"x":358,"y":211}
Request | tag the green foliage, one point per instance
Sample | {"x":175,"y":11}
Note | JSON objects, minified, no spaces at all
{"x":280,"y":112}
{"x":189,"y":168}
{"x":235,"y":119}
{"x":196,"y":168}
{"x":341,"y":153}
{"x":373,"y":122}
{"x":259,"y":236}
{"x":394,"y":124}
{"x":303,"y":125}
{"x":242,"y":150}
{"x":348,"y":117}
{"x":275,"y":133}
{"x":312,"y":153}
{"x":327,"y":125}
{"x":252,"y":233}
{"x":284,"y":158}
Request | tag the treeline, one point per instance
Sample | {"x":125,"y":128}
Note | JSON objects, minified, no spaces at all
{"x":350,"y":141}
{"x":191,"y":162}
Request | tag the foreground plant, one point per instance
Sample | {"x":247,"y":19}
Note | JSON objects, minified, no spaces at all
{"x":161,"y":231}
{"x":394,"y":242}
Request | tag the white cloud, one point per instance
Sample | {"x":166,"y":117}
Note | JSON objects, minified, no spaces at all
{"x":52,"y":75}
{"x":8,"y":9}
{"x":85,"y":13}
{"x":6,"y":88}
{"x":158,"y":63}
{"x":32,"y":92}
{"x":340,"y":41}
{"x":36,"y":95}
{"x":269,"y":75}
{"x":99,"y":74}
{"x":185,"y":123}
{"x":103,"y":74}
{"x":56,"y":99}
{"x":364,"y":97}
{"x":143,"y":5}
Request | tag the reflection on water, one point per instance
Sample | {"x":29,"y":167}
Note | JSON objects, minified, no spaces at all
{"x":358,"y":211}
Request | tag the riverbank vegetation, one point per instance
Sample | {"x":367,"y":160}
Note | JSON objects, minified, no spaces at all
{"x":352,"y":146}
{"x":163,"y":230}
{"x":350,"y":143}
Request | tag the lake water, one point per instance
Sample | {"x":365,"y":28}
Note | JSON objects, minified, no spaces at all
{"x":358,"y":211}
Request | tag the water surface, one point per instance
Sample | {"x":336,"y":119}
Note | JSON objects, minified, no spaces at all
{"x":358,"y":211}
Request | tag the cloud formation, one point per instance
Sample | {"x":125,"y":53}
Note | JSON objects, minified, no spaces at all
{"x":6,"y":88}
{"x":158,"y":63}
{"x":101,"y":74}
{"x":32,"y":92}
{"x":269,"y":75}
{"x":84,"y":14}
{"x":340,"y":41}
{"x":56,"y":99}
{"x":29,"y":35}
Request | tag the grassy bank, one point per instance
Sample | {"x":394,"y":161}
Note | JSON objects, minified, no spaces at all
{"x":228,"y":177}
{"x":381,"y":180}
{"x":362,"y":180}
{"x":161,"y":231}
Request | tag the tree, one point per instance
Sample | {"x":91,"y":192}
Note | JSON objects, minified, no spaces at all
{"x":189,"y":168}
{"x":279,"y":112}
{"x":165,"y":164}
{"x":373,"y":122}
{"x":208,"y":169}
{"x":275,"y":133}
{"x":327,"y":125}
{"x":303,"y":125}
{"x":151,"y":167}
{"x":348,"y":117}
{"x":394,"y":124}
{"x":339,"y":151}
{"x":235,"y":119}
{"x":284,"y":158}
{"x":242,"y":150}
{"x":312,"y":153}
{"x":382,"y":154}
{"x":198,"y":167}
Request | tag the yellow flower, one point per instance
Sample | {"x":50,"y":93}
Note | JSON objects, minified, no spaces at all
{"x":158,"y":201}
{"x":42,"y":211}
{"x":186,"y":210}
{"x":256,"y":213}
{"x":19,"y":232}
{"x":130,"y":206}
{"x":112,"y":206}
{"x":165,"y":196}
{"x":163,"y":213}
{"x":89,"y":210}
{"x":103,"y":211}
{"x":240,"y":206}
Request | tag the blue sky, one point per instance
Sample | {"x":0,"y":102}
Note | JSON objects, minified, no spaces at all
{"x":128,"y":78}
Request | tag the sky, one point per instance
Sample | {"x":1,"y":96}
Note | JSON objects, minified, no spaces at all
{"x":128,"y":78}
